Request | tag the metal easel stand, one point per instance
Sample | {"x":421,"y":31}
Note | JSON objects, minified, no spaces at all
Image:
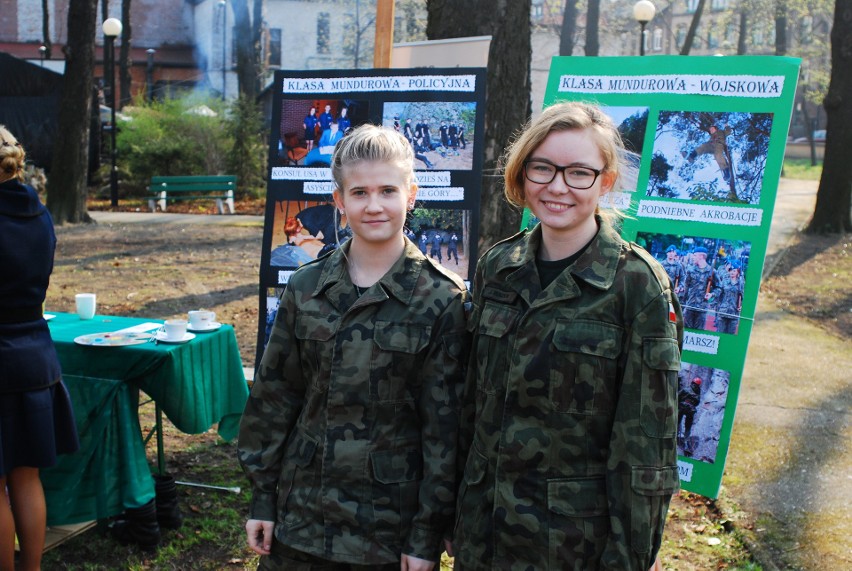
{"x":161,"y":455}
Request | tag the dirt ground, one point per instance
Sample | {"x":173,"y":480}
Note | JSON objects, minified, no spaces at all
{"x":813,"y":279}
{"x":165,"y":270}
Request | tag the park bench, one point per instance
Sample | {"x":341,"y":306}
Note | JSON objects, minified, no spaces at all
{"x":208,"y":187}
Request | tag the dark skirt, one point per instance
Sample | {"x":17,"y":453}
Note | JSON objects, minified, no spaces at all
{"x":35,"y":426}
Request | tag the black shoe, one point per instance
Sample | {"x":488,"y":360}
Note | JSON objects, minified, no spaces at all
{"x":139,"y":526}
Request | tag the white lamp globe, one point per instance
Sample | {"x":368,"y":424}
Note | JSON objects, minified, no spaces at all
{"x":643,"y":11}
{"x":111,"y":27}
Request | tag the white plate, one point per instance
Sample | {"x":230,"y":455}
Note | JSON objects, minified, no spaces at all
{"x":48,"y":316}
{"x":212,"y":326}
{"x":161,"y":337}
{"x":112,"y":339}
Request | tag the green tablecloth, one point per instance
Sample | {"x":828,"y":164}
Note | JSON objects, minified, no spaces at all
{"x":196,"y":384}
{"x":109,"y":473}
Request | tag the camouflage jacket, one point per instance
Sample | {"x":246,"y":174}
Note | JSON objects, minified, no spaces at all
{"x":675,"y":271}
{"x":695,"y":286}
{"x":728,"y":295}
{"x":349,"y":436}
{"x":572,"y":458}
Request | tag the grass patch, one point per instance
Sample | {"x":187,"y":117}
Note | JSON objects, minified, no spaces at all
{"x":801,"y":169}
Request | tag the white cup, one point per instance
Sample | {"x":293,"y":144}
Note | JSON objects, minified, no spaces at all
{"x":201,"y":319}
{"x":175,"y":329}
{"x":85,"y":305}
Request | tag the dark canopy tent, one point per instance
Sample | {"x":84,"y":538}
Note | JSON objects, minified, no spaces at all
{"x":29,"y":107}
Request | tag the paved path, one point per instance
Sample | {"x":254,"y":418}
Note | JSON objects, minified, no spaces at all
{"x":791,"y":450}
{"x":105,"y":217}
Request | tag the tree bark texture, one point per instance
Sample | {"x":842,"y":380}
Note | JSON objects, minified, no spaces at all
{"x":693,"y":29}
{"x":507,"y":103}
{"x":780,"y":27}
{"x":834,"y":197}
{"x":742,"y":38}
{"x":66,"y":197}
{"x":593,"y":16}
{"x":569,"y":28}
{"x":246,"y":52}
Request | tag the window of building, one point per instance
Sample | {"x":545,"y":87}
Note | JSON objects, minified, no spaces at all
{"x":718,"y":4}
{"x":680,"y":36}
{"x":712,"y":40}
{"x":324,"y":33}
{"x":273,"y":54}
{"x":658,"y":40}
{"x":691,"y":6}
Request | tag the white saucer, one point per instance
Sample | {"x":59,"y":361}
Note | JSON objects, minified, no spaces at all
{"x":212,"y":326}
{"x":161,"y":337}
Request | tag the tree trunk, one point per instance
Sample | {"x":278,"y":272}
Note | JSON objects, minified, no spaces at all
{"x":66,"y":197}
{"x":834,"y":197}
{"x":780,"y":27}
{"x":261,"y":61}
{"x":507,"y":106}
{"x":45,"y":29}
{"x":693,"y":29}
{"x":593,"y":16}
{"x":742,"y":43}
{"x":246,"y":51}
{"x":124,"y":61}
{"x":569,"y":28}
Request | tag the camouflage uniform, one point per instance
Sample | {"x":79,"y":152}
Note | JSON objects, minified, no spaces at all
{"x":729,"y":294}
{"x":676,"y":272}
{"x":572,"y":458}
{"x":695,"y":288}
{"x":349,"y":436}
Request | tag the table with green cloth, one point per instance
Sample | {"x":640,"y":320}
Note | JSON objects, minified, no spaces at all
{"x":196,"y":384}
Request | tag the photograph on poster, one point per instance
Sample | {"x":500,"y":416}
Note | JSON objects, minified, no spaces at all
{"x":273,"y":297}
{"x":707,"y":274}
{"x":702,"y":394}
{"x":441,"y":132}
{"x":304,"y":230}
{"x":717,"y":157}
{"x":442,"y":235}
{"x":632,"y":122}
{"x":310,"y":128}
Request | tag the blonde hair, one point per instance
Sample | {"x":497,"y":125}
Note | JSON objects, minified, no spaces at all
{"x":371,"y":143}
{"x":559,"y":117}
{"x":12,"y":156}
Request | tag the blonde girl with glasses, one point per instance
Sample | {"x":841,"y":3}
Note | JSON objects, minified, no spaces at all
{"x":572,"y":382}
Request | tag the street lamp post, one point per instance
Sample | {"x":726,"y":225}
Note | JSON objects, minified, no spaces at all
{"x":222,"y":6}
{"x":150,"y":73}
{"x":112,"y":28}
{"x":42,"y":51}
{"x":643,"y":12}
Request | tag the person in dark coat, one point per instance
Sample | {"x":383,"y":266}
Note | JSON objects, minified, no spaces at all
{"x":36,"y":418}
{"x":436,"y":246}
{"x":310,"y":125}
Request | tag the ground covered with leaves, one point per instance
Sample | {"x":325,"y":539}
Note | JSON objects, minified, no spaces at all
{"x":162,"y":271}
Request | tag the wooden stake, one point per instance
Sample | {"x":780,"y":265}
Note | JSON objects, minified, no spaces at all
{"x":384,"y":33}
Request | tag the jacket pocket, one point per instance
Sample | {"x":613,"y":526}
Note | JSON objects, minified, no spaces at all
{"x":314,"y":332}
{"x":396,"y":484}
{"x":299,"y":480}
{"x":473,"y":505}
{"x":653,"y":488}
{"x":397,"y":352}
{"x":585,"y":362}
{"x":493,"y":345}
{"x":660,"y":365}
{"x":578,"y":522}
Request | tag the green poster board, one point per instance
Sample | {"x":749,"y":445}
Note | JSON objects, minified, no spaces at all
{"x":705,"y":139}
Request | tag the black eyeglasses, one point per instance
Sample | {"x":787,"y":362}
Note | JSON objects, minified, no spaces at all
{"x":580,"y":178}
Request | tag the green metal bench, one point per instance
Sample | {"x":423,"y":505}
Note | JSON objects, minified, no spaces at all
{"x":209,"y":187}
